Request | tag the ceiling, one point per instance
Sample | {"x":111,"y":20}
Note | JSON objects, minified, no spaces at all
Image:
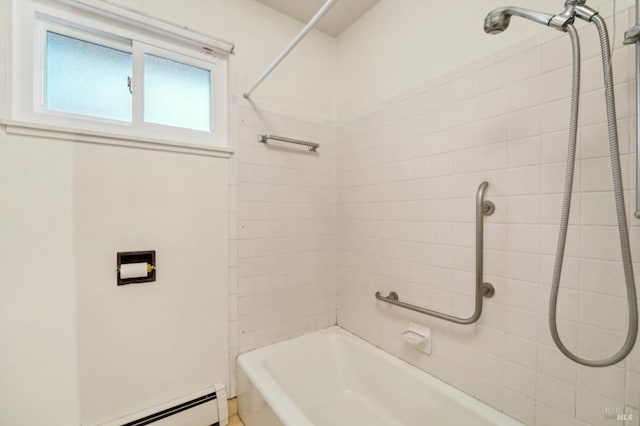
{"x":340,"y":17}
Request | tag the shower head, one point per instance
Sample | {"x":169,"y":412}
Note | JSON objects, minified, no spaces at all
{"x":498,"y":19}
{"x":496,"y":22}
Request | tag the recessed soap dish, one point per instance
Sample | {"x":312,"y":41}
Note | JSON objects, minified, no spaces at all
{"x":412,"y":338}
{"x":418,"y":336}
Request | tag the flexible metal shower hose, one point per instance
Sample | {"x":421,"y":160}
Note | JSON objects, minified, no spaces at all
{"x":619,"y":200}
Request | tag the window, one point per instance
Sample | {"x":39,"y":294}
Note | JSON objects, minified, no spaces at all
{"x":87,"y":78}
{"x":94,"y":73}
{"x":176,"y":94}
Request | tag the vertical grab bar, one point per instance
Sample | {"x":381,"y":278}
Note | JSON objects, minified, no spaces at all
{"x":632,"y":36}
{"x":483,"y":289}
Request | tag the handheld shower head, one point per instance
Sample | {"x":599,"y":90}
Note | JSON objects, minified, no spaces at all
{"x":498,"y":19}
{"x":496,"y":22}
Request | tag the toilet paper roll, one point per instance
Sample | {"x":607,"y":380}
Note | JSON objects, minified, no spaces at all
{"x":133,"y":270}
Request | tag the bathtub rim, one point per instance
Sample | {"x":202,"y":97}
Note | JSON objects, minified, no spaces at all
{"x":253,"y":365}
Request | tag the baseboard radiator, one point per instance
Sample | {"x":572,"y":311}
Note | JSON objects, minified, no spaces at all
{"x":205,"y":408}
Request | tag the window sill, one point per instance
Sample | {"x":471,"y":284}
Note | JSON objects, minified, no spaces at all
{"x":81,"y":135}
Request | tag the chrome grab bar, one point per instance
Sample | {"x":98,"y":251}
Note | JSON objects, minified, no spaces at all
{"x":312,"y":145}
{"x":483,"y":289}
{"x":632,"y":36}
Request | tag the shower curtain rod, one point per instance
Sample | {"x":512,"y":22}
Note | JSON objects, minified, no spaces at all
{"x":312,"y":23}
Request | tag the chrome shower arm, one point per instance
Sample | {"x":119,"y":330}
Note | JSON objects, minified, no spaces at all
{"x":532,"y":15}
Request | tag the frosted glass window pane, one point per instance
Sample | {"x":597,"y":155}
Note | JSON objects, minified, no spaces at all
{"x":176,"y":94}
{"x":86,"y":78}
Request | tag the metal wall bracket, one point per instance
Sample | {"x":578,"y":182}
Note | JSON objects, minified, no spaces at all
{"x":488,"y":290}
{"x":632,"y":35}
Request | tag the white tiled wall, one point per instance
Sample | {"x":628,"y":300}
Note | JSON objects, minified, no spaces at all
{"x":282,"y":230}
{"x":407,"y":176}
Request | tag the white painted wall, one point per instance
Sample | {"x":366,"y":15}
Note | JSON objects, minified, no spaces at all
{"x":38,"y":360}
{"x":71,"y":341}
{"x":140,"y":345}
{"x":281,"y":201}
{"x":303,"y":85}
{"x":400,"y":44}
{"x":54,"y":206}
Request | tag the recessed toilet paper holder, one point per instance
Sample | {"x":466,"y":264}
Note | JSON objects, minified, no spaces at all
{"x":136,"y":267}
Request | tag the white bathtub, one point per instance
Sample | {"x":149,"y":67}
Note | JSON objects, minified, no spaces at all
{"x":333,"y":378}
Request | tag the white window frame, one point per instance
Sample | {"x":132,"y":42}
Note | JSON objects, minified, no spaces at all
{"x":34,"y":18}
{"x":140,"y":49}
{"x":41,"y":113}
